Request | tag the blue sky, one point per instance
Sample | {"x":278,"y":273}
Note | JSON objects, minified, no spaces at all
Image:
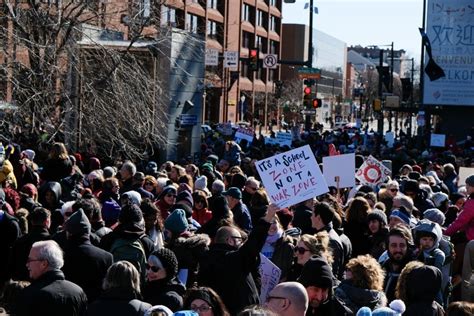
{"x":368,"y":22}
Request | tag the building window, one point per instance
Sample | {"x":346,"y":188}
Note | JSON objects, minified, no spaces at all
{"x":260,"y":21}
{"x":246,"y":12}
{"x":247,"y":39}
{"x":272,"y":2}
{"x":212,"y":4}
{"x":211,"y":29}
{"x":274,"y":48}
{"x":273,"y":23}
{"x":168,"y":16}
{"x":192,"y":23}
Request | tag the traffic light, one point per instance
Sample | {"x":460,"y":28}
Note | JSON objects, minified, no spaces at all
{"x":307,"y":97}
{"x":317,"y":103}
{"x":278,"y":88}
{"x":253,"y":59}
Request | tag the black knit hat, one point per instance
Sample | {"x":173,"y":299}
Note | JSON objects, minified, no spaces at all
{"x":168,"y":260}
{"x":316,"y":272}
{"x":378,"y":215}
{"x":131,"y":218}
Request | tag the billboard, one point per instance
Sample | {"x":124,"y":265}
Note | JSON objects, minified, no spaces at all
{"x":450,"y":29}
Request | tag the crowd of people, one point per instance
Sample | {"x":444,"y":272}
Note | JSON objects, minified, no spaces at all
{"x":78,"y":237}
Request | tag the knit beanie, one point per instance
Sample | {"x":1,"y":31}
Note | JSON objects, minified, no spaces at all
{"x":78,"y":224}
{"x":168,"y":260}
{"x":438,"y":198}
{"x":157,"y":309}
{"x":133,"y":196}
{"x":434,"y":215}
{"x":177,"y":222}
{"x":30,"y":154}
{"x":169,"y":189}
{"x":401,"y":214}
{"x":131,"y":216}
{"x":378,"y":215}
{"x":316,"y":272}
{"x":185,"y":197}
{"x":109,"y":172}
{"x":200,"y":183}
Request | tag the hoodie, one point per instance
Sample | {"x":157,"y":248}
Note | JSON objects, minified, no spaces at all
{"x":355,"y":297}
{"x":54,"y":187}
{"x":432,"y":256}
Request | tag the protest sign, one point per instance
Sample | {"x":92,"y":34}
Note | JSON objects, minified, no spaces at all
{"x":389,"y":138}
{"x":244,"y":133}
{"x":342,"y":166}
{"x":270,"y":141}
{"x":372,"y":171}
{"x":464,"y":172}
{"x":284,"y":139}
{"x":292,"y":177}
{"x":437,"y":140}
{"x":270,"y":276}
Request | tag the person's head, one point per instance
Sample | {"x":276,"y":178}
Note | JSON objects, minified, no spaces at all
{"x":458,"y":200}
{"x":411,"y":188}
{"x":275,"y":226}
{"x":251,"y":185}
{"x":402,"y":200}
{"x":177,"y":222}
{"x":150,"y":184}
{"x":122,"y":275}
{"x":58,"y":151}
{"x":204,"y":301}
{"x":44,"y":256}
{"x":288,"y":299}
{"x":233,"y":196}
{"x":357,"y":211}
{"x":376,"y":220}
{"x":399,"y":217}
{"x":111,"y":186}
{"x":323,"y":214}
{"x":398,"y":240}
{"x":405,"y":170}
{"x":176,"y":172}
{"x":365,"y":273}
{"x":393,"y":188}
{"x":128,"y":170}
{"x":418,"y":282}
{"x":317,"y":278}
{"x":77,"y":226}
{"x":229,"y":235}
{"x":168,"y":195}
{"x":200,"y":200}
{"x":470,"y":185}
{"x":217,"y":187}
{"x":313,"y":245}
{"x":460,"y":309}
{"x":131,"y":218}
{"x":162,"y":264}
{"x":151,"y":215}
{"x":192,"y":170}
{"x":40,"y":216}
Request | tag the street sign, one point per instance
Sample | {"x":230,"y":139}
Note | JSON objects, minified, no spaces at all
{"x":309,"y":73}
{"x":392,"y":101}
{"x":308,"y":112}
{"x":212,"y":57}
{"x":231,"y":59}
{"x":270,"y":61}
{"x":188,"y":119}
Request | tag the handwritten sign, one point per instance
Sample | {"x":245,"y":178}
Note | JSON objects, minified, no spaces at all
{"x":292,"y":177}
{"x":342,"y":166}
{"x":270,"y":275}
{"x":372,"y":171}
{"x":244,"y":133}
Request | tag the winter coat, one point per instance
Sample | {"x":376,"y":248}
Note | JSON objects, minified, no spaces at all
{"x":21,"y":250}
{"x":189,"y":251}
{"x":391,"y":276}
{"x":52,"y":295}
{"x":202,"y":216}
{"x":118,"y":302}
{"x":54,"y":187}
{"x":355,"y":297}
{"x":242,"y":217}
{"x":9,"y":233}
{"x":7,"y":174}
{"x":86,"y":265}
{"x":228,"y":270}
{"x":464,"y":221}
{"x":119,"y":232}
{"x":165,"y":292}
{"x":331,"y":307}
{"x":56,"y":169}
{"x":376,"y":242}
{"x":337,"y":249}
{"x":357,"y":234}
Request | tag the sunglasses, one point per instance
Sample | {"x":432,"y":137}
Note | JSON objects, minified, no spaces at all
{"x":394,"y":190}
{"x":152,"y":268}
{"x":301,"y":250}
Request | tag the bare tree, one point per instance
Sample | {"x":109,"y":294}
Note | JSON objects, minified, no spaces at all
{"x":72,"y":85}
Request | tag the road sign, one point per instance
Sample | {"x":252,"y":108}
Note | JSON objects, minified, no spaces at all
{"x":308,"y":112}
{"x":309,"y":73}
{"x":188,"y":119}
{"x":212,"y":57}
{"x":270,"y":61}
{"x":231,"y":59}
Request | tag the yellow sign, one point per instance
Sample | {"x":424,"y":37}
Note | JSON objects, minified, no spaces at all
{"x":231,"y":102}
{"x":377,"y":105}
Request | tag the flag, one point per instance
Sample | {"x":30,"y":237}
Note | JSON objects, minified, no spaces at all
{"x":306,"y":5}
{"x":432,"y":69}
{"x":316,"y":10}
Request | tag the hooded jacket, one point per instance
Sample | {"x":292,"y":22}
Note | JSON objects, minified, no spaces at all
{"x":433,"y":256}
{"x":84,"y":264}
{"x":168,"y":292}
{"x":118,"y":302}
{"x":355,"y":297}
{"x":54,"y":187}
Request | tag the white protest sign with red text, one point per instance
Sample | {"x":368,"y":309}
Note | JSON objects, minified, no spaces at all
{"x":372,"y":171}
{"x":292,"y":177}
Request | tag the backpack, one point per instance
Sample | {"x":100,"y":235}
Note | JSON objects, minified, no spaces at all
{"x":130,"y":250}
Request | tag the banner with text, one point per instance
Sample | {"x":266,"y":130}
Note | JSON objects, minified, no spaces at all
{"x":292,"y":177}
{"x":244,"y":133}
{"x":372,"y":171}
{"x":340,"y":167}
{"x":270,"y":276}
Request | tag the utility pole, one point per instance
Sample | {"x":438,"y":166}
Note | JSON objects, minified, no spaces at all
{"x":391,"y":87}
{"x":380,"y":117}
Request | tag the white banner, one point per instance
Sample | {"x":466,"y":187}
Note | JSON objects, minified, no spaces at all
{"x":450,"y":29}
{"x":270,"y":276}
{"x":341,"y":167}
{"x":292,"y":177}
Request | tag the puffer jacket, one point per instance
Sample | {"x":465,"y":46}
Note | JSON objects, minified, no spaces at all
{"x":355,"y":298}
{"x":464,"y":221}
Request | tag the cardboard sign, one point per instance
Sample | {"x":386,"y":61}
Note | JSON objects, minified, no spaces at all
{"x":464,"y":172}
{"x":292,"y":177}
{"x":270,"y":275}
{"x":390,"y":138}
{"x":372,"y":171}
{"x":244,"y":133}
{"x":284,"y":139}
{"x":342,"y":166}
{"x":438,"y":140}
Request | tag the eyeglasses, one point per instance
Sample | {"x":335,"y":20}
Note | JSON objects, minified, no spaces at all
{"x":301,"y":250}
{"x":33,"y":260}
{"x":274,"y":297}
{"x":152,"y":268}
{"x":201,"y":309}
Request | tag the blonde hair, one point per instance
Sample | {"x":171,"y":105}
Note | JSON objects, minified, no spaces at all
{"x":318,"y":245}
{"x":122,"y":275}
{"x":366,"y":273}
{"x":58,"y":151}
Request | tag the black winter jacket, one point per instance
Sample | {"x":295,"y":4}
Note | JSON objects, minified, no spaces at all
{"x":118,"y":302}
